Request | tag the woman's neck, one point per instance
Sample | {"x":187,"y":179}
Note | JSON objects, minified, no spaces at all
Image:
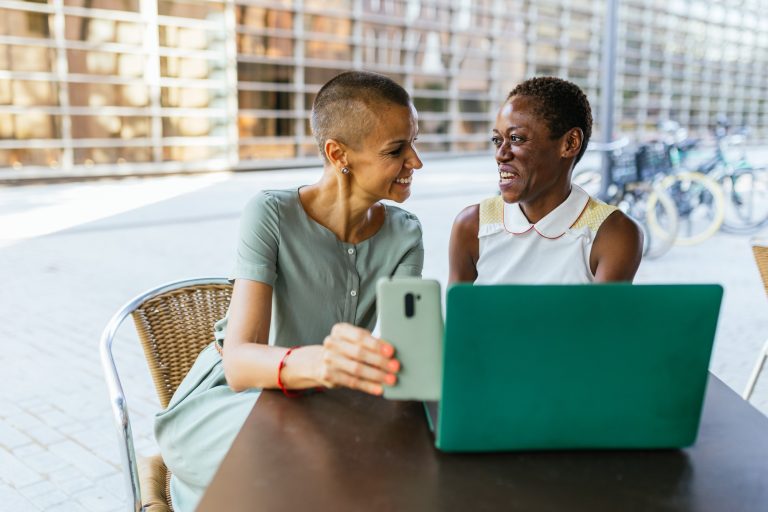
{"x":541,"y":206}
{"x":333,"y":203}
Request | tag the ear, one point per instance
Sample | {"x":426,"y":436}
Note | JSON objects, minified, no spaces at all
{"x":572,"y":141}
{"x":336,"y":153}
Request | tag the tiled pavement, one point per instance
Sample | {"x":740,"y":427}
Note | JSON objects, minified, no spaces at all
{"x":71,"y":254}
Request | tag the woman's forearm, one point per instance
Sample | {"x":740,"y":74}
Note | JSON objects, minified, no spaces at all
{"x":255,"y":365}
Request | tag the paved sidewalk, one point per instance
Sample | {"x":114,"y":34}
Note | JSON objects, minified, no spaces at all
{"x":72,"y":254}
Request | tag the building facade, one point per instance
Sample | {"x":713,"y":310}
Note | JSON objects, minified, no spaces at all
{"x":110,"y":87}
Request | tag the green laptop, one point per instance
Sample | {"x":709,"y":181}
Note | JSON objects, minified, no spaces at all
{"x":574,"y":366}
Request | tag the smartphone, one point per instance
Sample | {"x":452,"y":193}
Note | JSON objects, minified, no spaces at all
{"x":411,"y":319}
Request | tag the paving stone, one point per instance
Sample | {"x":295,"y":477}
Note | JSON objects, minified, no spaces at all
{"x":95,"y":499}
{"x":11,"y":438}
{"x":14,"y":472}
{"x":82,"y":458}
{"x":46,"y":462}
{"x":12,"y":500}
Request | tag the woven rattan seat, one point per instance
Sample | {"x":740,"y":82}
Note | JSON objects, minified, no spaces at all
{"x":174,"y":323}
{"x":174,"y":327}
{"x":760,"y":250}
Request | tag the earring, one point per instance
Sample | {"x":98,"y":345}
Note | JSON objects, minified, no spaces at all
{"x":344,"y":170}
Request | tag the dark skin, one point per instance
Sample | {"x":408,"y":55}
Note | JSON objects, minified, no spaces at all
{"x":535,"y":171}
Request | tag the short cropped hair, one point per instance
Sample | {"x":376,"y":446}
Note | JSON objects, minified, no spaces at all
{"x":345,"y":107}
{"x":561,"y":104}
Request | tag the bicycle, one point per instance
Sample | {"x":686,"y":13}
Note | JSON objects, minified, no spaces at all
{"x":698,"y":198}
{"x":631,"y":186}
{"x":745,"y":187}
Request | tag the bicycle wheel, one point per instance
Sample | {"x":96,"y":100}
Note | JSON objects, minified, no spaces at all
{"x":659,"y":232}
{"x":746,"y":204}
{"x":661,"y":222}
{"x":700,"y":205}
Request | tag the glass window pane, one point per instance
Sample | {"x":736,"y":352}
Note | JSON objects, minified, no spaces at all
{"x":99,"y":95}
{"x":328,"y":50}
{"x":27,"y":58}
{"x":105,"y":63}
{"x":98,"y":30}
{"x":186,"y":97}
{"x":119,"y":5}
{"x":25,"y":24}
{"x":185,"y":37}
{"x":258,"y":72}
{"x":192,"y":153}
{"x":265,"y":126}
{"x":266,"y":100}
{"x":30,"y":125}
{"x":185,"y":67}
{"x":327,"y":25}
{"x":91,"y":156}
{"x":18,"y":158}
{"x":28,"y":93}
{"x":339,"y":5}
{"x":110,"y":127}
{"x":319,"y":76}
{"x":190,"y":9}
{"x":265,"y":46}
{"x":264,"y":151}
{"x":428,"y":104}
{"x":190,"y":126}
{"x":261,"y":17}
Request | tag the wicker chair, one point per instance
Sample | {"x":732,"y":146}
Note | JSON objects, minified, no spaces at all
{"x":174,"y":323}
{"x":760,"y":248}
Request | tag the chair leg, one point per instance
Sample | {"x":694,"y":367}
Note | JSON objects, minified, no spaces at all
{"x":756,"y":372}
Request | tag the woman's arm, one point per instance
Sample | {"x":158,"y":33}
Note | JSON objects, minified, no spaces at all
{"x":617,"y":250}
{"x":464,"y":248}
{"x":349,"y":356}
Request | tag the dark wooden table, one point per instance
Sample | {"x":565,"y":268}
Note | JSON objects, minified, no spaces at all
{"x":342,"y":450}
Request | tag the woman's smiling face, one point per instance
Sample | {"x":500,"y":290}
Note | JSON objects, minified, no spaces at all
{"x":529,"y":160}
{"x":384,"y":166}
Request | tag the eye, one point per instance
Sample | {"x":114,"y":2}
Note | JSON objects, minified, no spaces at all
{"x":396,"y":152}
{"x":516,"y":139}
{"x":496,"y":141}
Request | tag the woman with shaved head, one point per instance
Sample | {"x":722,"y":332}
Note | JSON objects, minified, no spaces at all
{"x":307,"y":263}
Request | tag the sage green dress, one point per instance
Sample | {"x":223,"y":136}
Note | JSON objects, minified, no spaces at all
{"x":317,"y":282}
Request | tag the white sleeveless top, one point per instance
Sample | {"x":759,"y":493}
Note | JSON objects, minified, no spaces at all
{"x":554,"y":250}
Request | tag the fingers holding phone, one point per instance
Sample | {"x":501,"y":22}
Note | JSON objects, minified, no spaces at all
{"x":353,"y":358}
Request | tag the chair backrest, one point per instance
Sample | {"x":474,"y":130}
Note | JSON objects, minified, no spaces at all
{"x":761,"y":258}
{"x":174,"y":327}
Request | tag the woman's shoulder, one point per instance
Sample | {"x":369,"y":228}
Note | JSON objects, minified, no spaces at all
{"x":269,"y":201}
{"x":402,"y":220}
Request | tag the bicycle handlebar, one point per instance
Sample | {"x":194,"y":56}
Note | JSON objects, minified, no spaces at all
{"x":608,"y":146}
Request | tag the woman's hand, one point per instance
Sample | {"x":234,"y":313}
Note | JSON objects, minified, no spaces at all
{"x":353,"y":358}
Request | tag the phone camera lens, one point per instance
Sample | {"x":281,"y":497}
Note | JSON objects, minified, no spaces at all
{"x":409,"y":305}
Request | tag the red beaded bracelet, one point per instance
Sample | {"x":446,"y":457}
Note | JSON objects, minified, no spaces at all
{"x":286,"y":391}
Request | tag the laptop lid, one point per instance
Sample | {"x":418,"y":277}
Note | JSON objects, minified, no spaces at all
{"x":575,"y":366}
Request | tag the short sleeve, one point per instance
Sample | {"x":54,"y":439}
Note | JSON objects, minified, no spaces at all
{"x":413,"y":262}
{"x":258,"y":245}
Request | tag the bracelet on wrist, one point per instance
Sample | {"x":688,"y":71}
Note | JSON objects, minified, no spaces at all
{"x":289,"y":392}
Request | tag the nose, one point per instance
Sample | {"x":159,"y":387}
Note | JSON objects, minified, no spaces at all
{"x":414,"y":160}
{"x":502,"y":151}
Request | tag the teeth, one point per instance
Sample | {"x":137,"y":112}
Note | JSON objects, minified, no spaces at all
{"x":404,"y":181}
{"x":505,"y":174}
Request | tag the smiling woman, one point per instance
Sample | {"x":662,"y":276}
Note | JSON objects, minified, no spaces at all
{"x":314,"y":254}
{"x":542,"y":228}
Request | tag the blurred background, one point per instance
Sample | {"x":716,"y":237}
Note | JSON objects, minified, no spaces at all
{"x":114,"y":87}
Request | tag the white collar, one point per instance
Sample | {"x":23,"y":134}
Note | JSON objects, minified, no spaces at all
{"x":555,"y":223}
